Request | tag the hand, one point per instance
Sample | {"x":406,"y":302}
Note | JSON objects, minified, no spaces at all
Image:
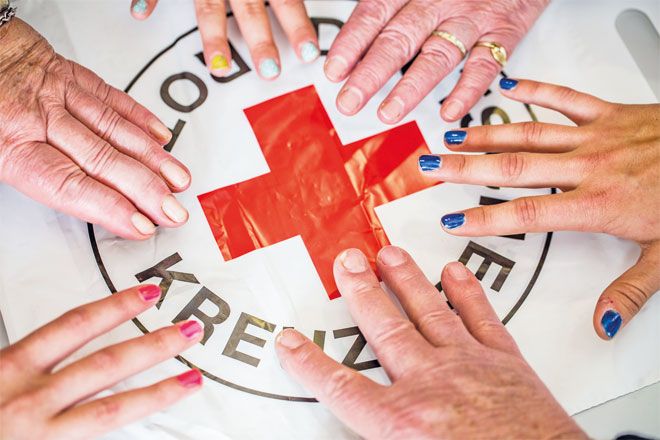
{"x":384,"y":35}
{"x":452,"y":377}
{"x":608,"y":167}
{"x":254,"y":24}
{"x":37,"y":402}
{"x":74,"y":143}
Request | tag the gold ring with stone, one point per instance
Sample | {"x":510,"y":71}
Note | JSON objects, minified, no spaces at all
{"x":452,"y":39}
{"x":496,"y":50}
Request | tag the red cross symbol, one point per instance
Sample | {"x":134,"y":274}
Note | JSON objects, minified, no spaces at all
{"x":316,"y":188}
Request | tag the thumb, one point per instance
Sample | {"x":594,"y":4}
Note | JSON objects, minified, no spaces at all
{"x":141,"y":9}
{"x":621,"y":301}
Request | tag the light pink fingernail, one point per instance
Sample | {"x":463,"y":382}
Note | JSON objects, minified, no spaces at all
{"x":349,"y":100}
{"x":335,"y":68}
{"x":290,"y":339}
{"x":190,"y":379}
{"x":190,"y":329}
{"x":160,"y":131}
{"x":174,"y":210}
{"x":392,"y":256}
{"x":174,"y":174}
{"x":458,"y":271}
{"x":453,"y":109}
{"x":392,"y":109}
{"x":143,"y":224}
{"x":353,"y":261}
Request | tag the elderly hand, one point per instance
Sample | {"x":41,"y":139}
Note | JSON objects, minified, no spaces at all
{"x":453,"y":376}
{"x":608,"y":167}
{"x":40,"y":400}
{"x":254,"y":24}
{"x":74,"y":143}
{"x":381,"y":36}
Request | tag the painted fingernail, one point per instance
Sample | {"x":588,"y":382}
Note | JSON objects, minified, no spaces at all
{"x":349,"y":100}
{"x":611,"y":322}
{"x":428,"y":162}
{"x":160,"y":131}
{"x":309,"y":52}
{"x":219,"y":62}
{"x":458,"y":271}
{"x":190,"y":329}
{"x":392,"y":256}
{"x":453,"y":109}
{"x":143,"y":224}
{"x":290,"y":339}
{"x":268,"y":68}
{"x":353,"y":261}
{"x":175,"y":174}
{"x":453,"y":221}
{"x":508,"y":83}
{"x":392,"y":109}
{"x":335,"y":67}
{"x":140,"y":7}
{"x":190,"y":379}
{"x":149,"y":292}
{"x":455,"y":137}
{"x":174,"y":210}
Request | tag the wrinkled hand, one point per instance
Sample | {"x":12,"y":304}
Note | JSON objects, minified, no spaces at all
{"x":254,"y":24}
{"x":74,"y":143}
{"x":453,"y":376}
{"x":608,"y":167}
{"x":381,"y":36}
{"x":38,"y":402}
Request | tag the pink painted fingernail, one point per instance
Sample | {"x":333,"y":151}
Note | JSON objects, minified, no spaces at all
{"x":190,"y":379}
{"x":335,"y":68}
{"x":458,"y":271}
{"x":453,"y":110}
{"x":190,"y":329}
{"x":392,"y":109}
{"x":349,"y":100}
{"x":392,"y":256}
{"x":353,"y":261}
{"x":290,"y":339}
{"x":149,"y":292}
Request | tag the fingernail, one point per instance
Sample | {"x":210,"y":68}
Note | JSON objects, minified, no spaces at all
{"x":268,"y":68}
{"x":219,"y":62}
{"x":309,"y":52}
{"x":392,"y":256}
{"x":290,"y":339}
{"x":143,"y":224}
{"x":392,"y":109}
{"x":174,"y":174}
{"x":353,"y":261}
{"x":174,"y":210}
{"x":190,"y":379}
{"x":428,"y":162}
{"x":160,"y":131}
{"x":453,"y":109}
{"x":349,"y":100}
{"x":458,"y":271}
{"x":190,"y":329}
{"x":149,"y":292}
{"x":455,"y":137}
{"x":140,"y":7}
{"x":611,"y":322}
{"x":335,"y":68}
{"x":508,"y":83}
{"x":453,"y":221}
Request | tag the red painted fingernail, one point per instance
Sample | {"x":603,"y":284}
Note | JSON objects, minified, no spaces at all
{"x":190,"y":379}
{"x":190,"y":329}
{"x":149,"y":292}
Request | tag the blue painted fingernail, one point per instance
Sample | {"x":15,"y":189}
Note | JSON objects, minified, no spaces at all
{"x":611,"y":322}
{"x":508,"y":83}
{"x":309,"y":52}
{"x":268,"y":68}
{"x":455,"y":137}
{"x":453,"y":221}
{"x":140,"y":7}
{"x":428,"y":162}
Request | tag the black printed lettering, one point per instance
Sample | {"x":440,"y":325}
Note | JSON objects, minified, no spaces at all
{"x":239,"y":334}
{"x":193,"y":308}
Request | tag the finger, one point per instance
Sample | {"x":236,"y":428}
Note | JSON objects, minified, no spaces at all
{"x":437,"y":58}
{"x":253,"y":22}
{"x":142,"y":9}
{"x":420,"y":299}
{"x":355,"y":37}
{"x":397,"y":44}
{"x":126,"y":137}
{"x":48,"y":176}
{"x":514,"y":170}
{"x":578,"y":107}
{"x":104,"y":415}
{"x":467,"y":296}
{"x":104,"y":163}
{"x":299,"y":29}
{"x":621,"y":301}
{"x":558,"y":212}
{"x":394,"y":339}
{"x":353,"y":398}
{"x":212,"y":23}
{"x":109,"y":366}
{"x":123,"y":104}
{"x":47,"y":346}
{"x":512,"y":138}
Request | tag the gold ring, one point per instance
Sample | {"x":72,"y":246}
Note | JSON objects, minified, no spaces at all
{"x":452,"y":39}
{"x":496,"y":50}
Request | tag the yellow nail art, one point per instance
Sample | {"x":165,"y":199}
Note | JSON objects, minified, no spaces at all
{"x":219,"y":62}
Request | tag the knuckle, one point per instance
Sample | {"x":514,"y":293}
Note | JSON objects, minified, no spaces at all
{"x":361,"y":287}
{"x":339,"y":385}
{"x":209,"y":6}
{"x":438,"y":55}
{"x":435,"y":320}
{"x":400,"y":42}
{"x":101,"y":158}
{"x":461,"y":164}
{"x":102,"y":90}
{"x":374,"y":13}
{"x":253,"y":8}
{"x":106,"y":411}
{"x":526,"y":211}
{"x":78,"y":320}
{"x":104,"y":360}
{"x":392,"y":332}
{"x":160,"y":342}
{"x":532,"y":133}
{"x":107,"y":122}
{"x":512,"y":166}
{"x":630,"y":296}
